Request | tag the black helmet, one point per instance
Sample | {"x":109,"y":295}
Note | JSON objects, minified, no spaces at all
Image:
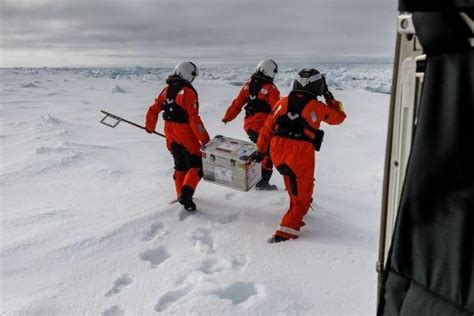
{"x":310,"y":80}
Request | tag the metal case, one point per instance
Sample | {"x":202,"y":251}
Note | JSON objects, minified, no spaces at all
{"x":228,"y":162}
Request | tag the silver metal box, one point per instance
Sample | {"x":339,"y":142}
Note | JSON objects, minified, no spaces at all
{"x":227,"y":161}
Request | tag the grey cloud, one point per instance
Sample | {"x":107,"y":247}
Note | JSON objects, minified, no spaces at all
{"x":212,"y":27}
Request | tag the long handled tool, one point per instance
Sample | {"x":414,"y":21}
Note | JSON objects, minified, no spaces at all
{"x":117,"y":119}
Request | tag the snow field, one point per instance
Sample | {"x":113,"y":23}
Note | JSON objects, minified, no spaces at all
{"x":88,"y":226}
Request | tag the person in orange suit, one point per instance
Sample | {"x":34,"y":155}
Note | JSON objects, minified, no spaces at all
{"x":293,"y":133}
{"x":184,"y":130}
{"x":257,"y":97}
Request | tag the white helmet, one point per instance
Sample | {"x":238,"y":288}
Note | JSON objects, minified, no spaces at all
{"x":186,"y":70}
{"x":268,"y":67}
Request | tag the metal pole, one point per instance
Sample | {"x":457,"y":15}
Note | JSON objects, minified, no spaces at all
{"x":128,"y":122}
{"x":386,"y":176}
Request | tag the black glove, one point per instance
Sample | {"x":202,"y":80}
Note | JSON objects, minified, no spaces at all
{"x":326,"y":93}
{"x":258,"y":156}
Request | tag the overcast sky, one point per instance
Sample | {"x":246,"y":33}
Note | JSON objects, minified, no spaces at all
{"x":162,"y":32}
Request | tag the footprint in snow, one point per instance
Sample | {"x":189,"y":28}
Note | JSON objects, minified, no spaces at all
{"x":170,"y":297}
{"x":155,"y":256}
{"x":228,"y":218}
{"x":230,"y":196}
{"x":155,"y":230}
{"x":115,"y":310}
{"x":119,"y":285}
{"x":202,"y":240}
{"x":238,"y":292}
{"x":214,"y":265}
{"x":183,"y":214}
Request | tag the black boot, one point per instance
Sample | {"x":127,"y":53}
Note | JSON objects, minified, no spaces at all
{"x":186,"y":198}
{"x":276,"y":239}
{"x":263,"y":184}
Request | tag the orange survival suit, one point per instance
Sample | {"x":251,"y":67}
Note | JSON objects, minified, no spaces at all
{"x":184,"y":130}
{"x":258,"y":97}
{"x":292,"y":132}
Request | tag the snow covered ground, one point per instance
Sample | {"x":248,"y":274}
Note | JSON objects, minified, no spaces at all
{"x":86,"y":221}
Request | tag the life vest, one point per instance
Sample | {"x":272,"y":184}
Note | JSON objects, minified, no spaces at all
{"x":292,"y":125}
{"x":254,"y":104}
{"x":171,"y":110}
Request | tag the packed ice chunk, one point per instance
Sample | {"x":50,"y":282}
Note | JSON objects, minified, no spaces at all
{"x":118,"y":89}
